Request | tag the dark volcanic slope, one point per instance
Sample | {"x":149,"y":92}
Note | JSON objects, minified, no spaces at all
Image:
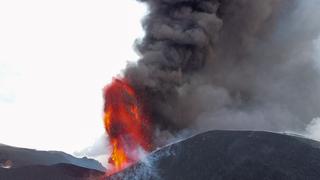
{"x":232,"y":155}
{"x":54,"y":172}
{"x":24,"y":157}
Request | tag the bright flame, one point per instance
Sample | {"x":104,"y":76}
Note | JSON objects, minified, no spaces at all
{"x":126,"y":124}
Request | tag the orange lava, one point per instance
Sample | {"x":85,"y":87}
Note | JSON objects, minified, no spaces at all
{"x":126,"y":123}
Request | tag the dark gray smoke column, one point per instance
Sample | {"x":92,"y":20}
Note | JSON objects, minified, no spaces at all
{"x":229,"y":64}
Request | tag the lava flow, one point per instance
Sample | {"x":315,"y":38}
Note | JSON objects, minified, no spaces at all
{"x":126,"y":123}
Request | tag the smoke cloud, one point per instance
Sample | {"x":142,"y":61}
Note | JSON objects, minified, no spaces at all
{"x":229,"y":64}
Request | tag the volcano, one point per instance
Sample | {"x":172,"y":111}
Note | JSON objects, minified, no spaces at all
{"x":217,"y":64}
{"x":231,"y":155}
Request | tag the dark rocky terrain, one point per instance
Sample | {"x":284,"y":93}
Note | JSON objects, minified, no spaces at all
{"x":231,"y":155}
{"x":215,"y":155}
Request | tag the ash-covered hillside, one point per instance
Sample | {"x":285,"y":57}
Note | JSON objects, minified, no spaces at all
{"x":231,"y":155}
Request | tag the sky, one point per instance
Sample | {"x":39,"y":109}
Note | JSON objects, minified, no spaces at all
{"x":55,"y":59}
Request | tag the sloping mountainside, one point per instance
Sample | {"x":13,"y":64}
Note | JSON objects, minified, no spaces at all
{"x":20,"y":157}
{"x":231,"y":155}
{"x":53,"y":172}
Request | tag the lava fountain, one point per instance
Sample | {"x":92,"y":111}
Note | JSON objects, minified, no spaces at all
{"x":126,"y":123}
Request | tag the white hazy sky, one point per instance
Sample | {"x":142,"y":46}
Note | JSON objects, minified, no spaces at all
{"x":55,"y":58}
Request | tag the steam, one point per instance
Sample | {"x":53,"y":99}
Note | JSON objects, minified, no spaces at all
{"x":229,"y":64}
{"x":146,"y":168}
{"x":312,"y":130}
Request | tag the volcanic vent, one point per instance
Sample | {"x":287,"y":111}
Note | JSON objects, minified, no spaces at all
{"x":126,"y":123}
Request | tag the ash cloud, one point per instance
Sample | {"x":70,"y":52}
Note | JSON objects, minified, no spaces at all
{"x":229,"y":64}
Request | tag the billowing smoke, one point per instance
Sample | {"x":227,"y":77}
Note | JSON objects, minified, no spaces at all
{"x":229,"y":64}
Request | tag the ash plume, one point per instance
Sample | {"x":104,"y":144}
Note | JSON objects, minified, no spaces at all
{"x":229,"y":64}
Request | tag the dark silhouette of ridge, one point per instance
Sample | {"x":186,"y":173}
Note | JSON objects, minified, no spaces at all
{"x":20,"y":157}
{"x":53,"y":172}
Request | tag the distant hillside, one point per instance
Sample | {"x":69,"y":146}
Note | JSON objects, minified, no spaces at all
{"x":231,"y":155}
{"x":53,"y":172}
{"x":19,"y":157}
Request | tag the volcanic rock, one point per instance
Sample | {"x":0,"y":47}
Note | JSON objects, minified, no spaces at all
{"x":231,"y":155}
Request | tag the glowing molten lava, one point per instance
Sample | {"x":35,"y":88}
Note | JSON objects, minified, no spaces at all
{"x":126,"y":124}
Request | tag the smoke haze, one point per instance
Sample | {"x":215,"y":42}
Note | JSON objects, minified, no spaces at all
{"x":229,"y":64}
